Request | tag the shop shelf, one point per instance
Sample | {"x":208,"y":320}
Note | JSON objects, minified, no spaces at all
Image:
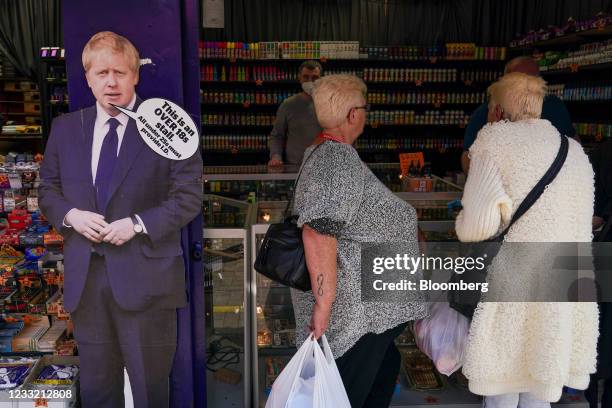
{"x":19,"y":91}
{"x":381,"y":125}
{"x":430,"y":61}
{"x":573,"y":38}
{"x":604,"y":66}
{"x":4,"y":78}
{"x":236,"y":126}
{"x":20,"y":136}
{"x":240,"y":105}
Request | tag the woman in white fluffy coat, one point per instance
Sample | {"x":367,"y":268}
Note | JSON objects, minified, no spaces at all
{"x":522,"y":354}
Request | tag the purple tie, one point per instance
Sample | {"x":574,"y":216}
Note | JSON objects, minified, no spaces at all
{"x":106,"y":164}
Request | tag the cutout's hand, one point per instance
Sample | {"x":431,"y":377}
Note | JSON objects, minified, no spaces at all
{"x":119,"y":232}
{"x":87,"y":223}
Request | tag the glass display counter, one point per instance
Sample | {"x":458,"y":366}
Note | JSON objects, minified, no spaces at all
{"x":272,"y":189}
{"x":250,"y":325}
{"x":276,"y":184}
{"x":226,"y":299}
{"x":250,"y":182}
{"x":224,"y":212}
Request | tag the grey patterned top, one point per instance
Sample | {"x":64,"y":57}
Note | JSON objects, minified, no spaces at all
{"x":338,"y":195}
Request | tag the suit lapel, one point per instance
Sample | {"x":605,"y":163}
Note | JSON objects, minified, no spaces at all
{"x":88,"y":123}
{"x":131,"y":147}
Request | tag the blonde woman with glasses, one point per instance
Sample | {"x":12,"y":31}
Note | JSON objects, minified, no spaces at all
{"x":341,"y":205}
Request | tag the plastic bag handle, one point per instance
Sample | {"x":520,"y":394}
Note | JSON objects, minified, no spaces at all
{"x":326,"y":350}
{"x":304,"y":350}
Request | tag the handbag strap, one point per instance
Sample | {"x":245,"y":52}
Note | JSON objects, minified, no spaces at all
{"x":601,"y":235}
{"x":541,"y":186}
{"x":290,"y":202}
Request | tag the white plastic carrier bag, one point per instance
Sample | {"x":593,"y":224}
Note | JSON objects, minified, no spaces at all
{"x":442,"y":337}
{"x":310,"y":380}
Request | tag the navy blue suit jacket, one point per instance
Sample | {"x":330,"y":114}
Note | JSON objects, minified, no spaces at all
{"x":147,"y":271}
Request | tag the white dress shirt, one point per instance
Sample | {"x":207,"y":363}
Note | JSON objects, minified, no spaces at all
{"x":101,"y":128}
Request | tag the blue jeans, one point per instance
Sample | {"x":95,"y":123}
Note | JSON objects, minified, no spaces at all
{"x":522,"y":400}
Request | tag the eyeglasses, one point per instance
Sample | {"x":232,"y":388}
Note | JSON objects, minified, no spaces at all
{"x":365,"y":107}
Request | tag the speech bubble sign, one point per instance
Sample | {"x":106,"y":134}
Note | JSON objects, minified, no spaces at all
{"x":166,"y":128}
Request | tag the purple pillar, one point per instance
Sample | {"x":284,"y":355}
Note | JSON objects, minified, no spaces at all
{"x":190,"y":19}
{"x":166,"y":32}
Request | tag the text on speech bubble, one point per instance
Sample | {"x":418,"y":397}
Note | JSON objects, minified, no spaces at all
{"x":166,"y":128}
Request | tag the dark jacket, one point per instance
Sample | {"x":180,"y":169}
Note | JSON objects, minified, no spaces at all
{"x":148,"y":270}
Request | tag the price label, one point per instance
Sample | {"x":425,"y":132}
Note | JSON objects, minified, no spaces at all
{"x":407,"y":159}
{"x":15,"y":181}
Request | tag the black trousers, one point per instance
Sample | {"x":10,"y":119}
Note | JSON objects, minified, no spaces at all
{"x":369,"y":369}
{"x":110,"y":338}
{"x":592,"y":393}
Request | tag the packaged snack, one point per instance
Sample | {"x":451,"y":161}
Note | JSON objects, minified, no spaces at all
{"x":57,"y":374}
{"x":14,"y":371}
{"x":66,"y":348}
{"x":419,"y":370}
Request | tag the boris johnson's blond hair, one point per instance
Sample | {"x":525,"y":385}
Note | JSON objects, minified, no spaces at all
{"x":520,"y":96}
{"x":107,"y":40}
{"x":334,"y":96}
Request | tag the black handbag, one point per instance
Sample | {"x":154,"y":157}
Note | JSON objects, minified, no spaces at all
{"x":465,"y":302}
{"x":281,"y":255}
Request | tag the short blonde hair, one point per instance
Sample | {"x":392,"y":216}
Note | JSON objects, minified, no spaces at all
{"x":520,"y":95}
{"x":116,"y":43}
{"x":334,"y":96}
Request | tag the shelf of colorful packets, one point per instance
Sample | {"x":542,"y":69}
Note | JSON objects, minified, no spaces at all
{"x":19,"y":180}
{"x":571,"y":32}
{"x":34,"y":319}
{"x":19,"y":162}
{"x":24,"y":229}
{"x":29,"y":334}
{"x":30,"y":283}
{"x":346,"y":50}
{"x":49,"y":381}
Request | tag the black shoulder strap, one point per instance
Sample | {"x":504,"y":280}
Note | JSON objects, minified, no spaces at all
{"x":603,"y":234}
{"x":540,"y":187}
{"x":290,"y":202}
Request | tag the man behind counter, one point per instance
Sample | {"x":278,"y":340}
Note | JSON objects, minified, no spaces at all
{"x":553,"y":110}
{"x":296,"y":123}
